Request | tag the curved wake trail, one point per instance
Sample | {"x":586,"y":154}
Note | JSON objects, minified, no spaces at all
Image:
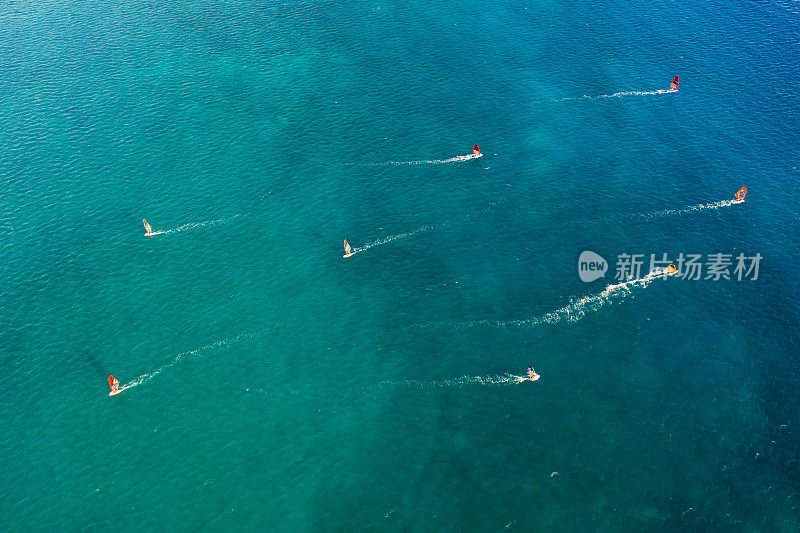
{"x":198,"y":352}
{"x":456,"y":159}
{"x":684,"y":210}
{"x":571,"y":313}
{"x":615,"y":95}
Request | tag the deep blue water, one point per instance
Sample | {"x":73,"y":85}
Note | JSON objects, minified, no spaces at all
{"x":273,"y":385}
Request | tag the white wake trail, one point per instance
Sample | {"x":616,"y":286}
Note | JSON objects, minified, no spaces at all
{"x":497,"y":380}
{"x":194,"y":225}
{"x":198,"y":352}
{"x":385,"y":240}
{"x":573,"y":312}
{"x":456,"y":159}
{"x":428,"y":227}
{"x":463,"y":381}
{"x":615,"y":95}
{"x":684,"y":210}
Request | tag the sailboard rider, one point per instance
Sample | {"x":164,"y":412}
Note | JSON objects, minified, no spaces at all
{"x":114,"y":384}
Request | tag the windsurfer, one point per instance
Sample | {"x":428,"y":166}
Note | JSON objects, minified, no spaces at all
{"x":114,"y":384}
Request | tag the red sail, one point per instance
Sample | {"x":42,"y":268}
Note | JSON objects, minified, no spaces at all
{"x":741,"y":193}
{"x":674,"y":85}
{"x":111,"y":381}
{"x":476,"y":150}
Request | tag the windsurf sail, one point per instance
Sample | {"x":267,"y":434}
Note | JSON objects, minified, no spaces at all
{"x":741,"y":193}
{"x":111,"y":381}
{"x":674,"y":85}
{"x":147,"y":227}
{"x":347,"y":248}
{"x":476,"y":150}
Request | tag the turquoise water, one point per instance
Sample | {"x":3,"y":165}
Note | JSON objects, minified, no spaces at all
{"x":276,"y":386}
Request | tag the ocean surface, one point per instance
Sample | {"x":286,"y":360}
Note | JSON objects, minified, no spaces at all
{"x":271,"y":385}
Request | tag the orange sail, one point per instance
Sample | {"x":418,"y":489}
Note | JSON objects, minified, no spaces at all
{"x":111,"y":381}
{"x":476,"y":150}
{"x":741,"y":193}
{"x":147,"y":227}
{"x":674,"y":85}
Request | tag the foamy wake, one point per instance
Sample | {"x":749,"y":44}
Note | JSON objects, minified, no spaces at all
{"x":505,"y":379}
{"x":455,"y":159}
{"x":430,"y":227}
{"x":573,"y":312}
{"x":198,"y":352}
{"x":463,"y":381}
{"x":194,"y":225}
{"x":391,"y":238}
{"x":615,"y":95}
{"x":684,"y":210}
